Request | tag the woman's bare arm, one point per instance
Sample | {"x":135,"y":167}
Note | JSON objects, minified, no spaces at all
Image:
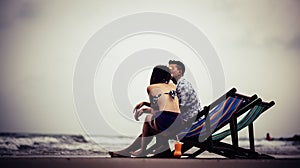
{"x":141,"y":104}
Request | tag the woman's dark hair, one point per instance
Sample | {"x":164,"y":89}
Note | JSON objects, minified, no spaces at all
{"x":160,"y":74}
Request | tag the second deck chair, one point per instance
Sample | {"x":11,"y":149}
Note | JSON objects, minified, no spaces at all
{"x":212,"y":118}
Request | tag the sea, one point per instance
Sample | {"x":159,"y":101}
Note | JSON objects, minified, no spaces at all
{"x":57,"y":145}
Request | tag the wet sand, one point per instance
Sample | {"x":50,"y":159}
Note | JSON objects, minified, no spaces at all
{"x":77,"y":162}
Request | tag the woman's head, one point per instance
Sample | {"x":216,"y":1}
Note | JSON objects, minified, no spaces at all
{"x":160,"y":74}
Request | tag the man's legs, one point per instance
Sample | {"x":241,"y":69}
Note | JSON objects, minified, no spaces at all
{"x":162,"y":143}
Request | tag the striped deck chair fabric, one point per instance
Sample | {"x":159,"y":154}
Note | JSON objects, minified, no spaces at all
{"x":217,"y":115}
{"x":249,"y":118}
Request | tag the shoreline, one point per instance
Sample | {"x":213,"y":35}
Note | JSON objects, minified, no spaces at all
{"x":89,"y":162}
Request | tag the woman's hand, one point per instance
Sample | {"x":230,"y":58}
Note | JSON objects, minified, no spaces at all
{"x":138,"y":106}
{"x":141,"y":104}
{"x":139,"y":112}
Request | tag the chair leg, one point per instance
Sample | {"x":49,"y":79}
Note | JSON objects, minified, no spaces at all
{"x":234,"y":133}
{"x":251,"y":137}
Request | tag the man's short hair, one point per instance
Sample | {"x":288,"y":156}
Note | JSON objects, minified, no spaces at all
{"x":179,"y":64}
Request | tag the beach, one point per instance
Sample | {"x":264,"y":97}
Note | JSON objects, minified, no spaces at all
{"x":77,"y":162}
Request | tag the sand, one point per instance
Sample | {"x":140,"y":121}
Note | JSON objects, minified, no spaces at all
{"x":77,"y":162}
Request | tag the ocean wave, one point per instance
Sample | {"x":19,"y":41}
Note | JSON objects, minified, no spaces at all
{"x":39,"y":144}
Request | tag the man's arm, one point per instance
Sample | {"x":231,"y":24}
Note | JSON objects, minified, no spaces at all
{"x":183,"y":94}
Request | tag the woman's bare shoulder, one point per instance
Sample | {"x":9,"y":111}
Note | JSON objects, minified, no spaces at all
{"x":154,"y":86}
{"x":150,"y":87}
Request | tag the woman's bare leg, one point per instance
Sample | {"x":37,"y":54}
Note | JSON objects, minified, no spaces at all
{"x":147,"y":136}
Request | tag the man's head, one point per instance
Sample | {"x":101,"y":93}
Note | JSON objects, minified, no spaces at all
{"x":177,"y":69}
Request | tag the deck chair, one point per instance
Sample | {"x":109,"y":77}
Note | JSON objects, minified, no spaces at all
{"x":234,"y":151}
{"x":211,"y":119}
{"x":213,"y":143}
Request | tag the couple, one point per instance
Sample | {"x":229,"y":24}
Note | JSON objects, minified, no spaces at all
{"x":169,"y":109}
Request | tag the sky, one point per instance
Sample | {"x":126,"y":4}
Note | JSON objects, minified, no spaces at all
{"x":41,"y":45}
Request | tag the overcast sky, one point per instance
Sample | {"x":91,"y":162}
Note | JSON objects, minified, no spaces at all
{"x":257,"y":42}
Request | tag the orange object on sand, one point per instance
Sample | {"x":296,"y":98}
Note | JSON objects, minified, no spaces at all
{"x":177,"y":152}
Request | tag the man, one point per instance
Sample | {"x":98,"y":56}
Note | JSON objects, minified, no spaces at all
{"x":188,"y":100}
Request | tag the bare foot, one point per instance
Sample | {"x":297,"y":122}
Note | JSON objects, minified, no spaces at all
{"x":119,"y":154}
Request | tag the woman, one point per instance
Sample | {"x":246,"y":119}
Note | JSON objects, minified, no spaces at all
{"x":163,"y":108}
